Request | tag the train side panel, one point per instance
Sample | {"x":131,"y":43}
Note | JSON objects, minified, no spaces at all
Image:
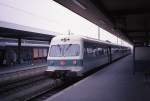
{"x":118,"y":52}
{"x":95,"y":55}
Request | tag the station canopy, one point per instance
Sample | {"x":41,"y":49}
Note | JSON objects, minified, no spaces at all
{"x":11,"y":30}
{"x":127,"y":19}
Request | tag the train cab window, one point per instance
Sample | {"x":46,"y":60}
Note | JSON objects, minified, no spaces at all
{"x":71,"y":50}
{"x":64,"y":50}
{"x":55,"y":51}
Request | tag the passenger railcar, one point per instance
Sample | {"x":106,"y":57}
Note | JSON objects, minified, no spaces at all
{"x":73,"y":56}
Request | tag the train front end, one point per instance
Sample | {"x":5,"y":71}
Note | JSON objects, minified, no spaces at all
{"x":65,"y":56}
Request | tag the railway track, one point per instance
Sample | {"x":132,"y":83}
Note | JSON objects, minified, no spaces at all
{"x":53,"y":91}
{"x":10,"y":86}
{"x":37,"y":88}
{"x":66,"y":83}
{"x":28,"y":84}
{"x":28,"y":89}
{"x":17,"y":75}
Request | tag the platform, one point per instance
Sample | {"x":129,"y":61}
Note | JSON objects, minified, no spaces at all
{"x":115,"y":82}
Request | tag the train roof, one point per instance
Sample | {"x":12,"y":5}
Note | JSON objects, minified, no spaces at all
{"x":100,"y":41}
{"x":76,"y":37}
{"x":73,"y":37}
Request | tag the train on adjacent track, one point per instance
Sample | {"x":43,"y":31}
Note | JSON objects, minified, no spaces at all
{"x":71,"y":55}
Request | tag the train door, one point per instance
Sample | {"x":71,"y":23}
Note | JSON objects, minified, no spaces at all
{"x":109,"y":55}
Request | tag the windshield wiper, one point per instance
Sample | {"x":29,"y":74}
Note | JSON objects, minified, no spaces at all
{"x":60,"y":49}
{"x":68,"y":47}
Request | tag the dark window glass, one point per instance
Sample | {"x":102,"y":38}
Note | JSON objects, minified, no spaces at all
{"x":64,"y":50}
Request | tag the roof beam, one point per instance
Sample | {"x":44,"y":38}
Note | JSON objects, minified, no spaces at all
{"x":103,"y":9}
{"x":125,"y":12}
{"x":13,"y":33}
{"x":133,"y":30}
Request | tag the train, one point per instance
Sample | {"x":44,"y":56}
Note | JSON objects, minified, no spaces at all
{"x":74,"y":56}
{"x":31,"y":52}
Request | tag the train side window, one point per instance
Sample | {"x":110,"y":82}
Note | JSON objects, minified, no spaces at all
{"x":100,"y":51}
{"x":85,"y":51}
{"x":105,"y":51}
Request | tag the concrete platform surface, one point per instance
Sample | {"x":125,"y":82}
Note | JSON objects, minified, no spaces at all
{"x":115,"y":82}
